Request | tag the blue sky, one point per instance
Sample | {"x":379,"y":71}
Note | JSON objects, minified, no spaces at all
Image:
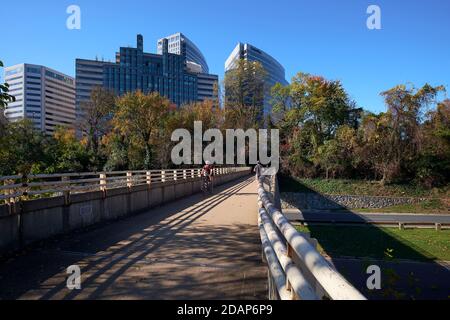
{"x":328,"y":38}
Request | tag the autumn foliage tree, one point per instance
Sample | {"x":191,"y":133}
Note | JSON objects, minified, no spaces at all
{"x":94,"y":121}
{"x":317,"y":108}
{"x":245,"y":90}
{"x":141,"y":119}
{"x":325,"y":134}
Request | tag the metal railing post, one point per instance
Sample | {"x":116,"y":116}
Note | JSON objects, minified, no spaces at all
{"x":184,"y":174}
{"x":163,"y":176}
{"x":129,"y":179}
{"x":7,"y":192}
{"x":148,"y":177}
{"x":103,"y":182}
{"x":290,"y":254}
{"x":66,"y":193}
{"x":175,"y":178}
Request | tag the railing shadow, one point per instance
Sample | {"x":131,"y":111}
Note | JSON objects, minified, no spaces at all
{"x":112,"y":257}
{"x":422,"y":277}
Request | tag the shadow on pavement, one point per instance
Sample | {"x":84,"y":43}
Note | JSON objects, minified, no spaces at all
{"x":160,"y":254}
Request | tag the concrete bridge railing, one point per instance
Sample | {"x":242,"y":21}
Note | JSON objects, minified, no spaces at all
{"x":37,"y":207}
{"x":297,"y":271}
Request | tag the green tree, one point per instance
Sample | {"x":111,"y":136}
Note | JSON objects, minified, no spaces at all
{"x":322,"y":103}
{"x":116,"y":147}
{"x":373,"y":134}
{"x":245,"y":90}
{"x":407,"y":107}
{"x":281,"y":96}
{"x":433,"y":164}
{"x":22,"y":149}
{"x":95,"y":118}
{"x":317,"y":108}
{"x":5,"y":98}
{"x":337,"y":156}
{"x":65,"y":153}
{"x":141,"y":118}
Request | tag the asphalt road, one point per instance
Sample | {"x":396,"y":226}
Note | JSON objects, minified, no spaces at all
{"x":351,"y":217}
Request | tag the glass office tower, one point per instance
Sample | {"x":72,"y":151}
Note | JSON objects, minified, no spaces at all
{"x":136,"y":70}
{"x":275,"y":71}
{"x":181,"y":45}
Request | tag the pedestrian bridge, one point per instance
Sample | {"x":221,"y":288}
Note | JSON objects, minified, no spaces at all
{"x":148,"y":235}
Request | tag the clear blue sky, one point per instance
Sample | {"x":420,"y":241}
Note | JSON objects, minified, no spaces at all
{"x":328,"y":38}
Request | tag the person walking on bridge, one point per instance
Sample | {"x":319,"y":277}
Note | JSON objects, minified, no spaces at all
{"x":258,"y":170}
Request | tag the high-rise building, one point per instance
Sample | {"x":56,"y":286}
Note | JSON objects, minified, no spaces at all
{"x":181,"y":45}
{"x":43,"y":95}
{"x":136,"y":70}
{"x":275,"y":71}
{"x":89,"y":74}
{"x":167,"y":73}
{"x":207,"y":84}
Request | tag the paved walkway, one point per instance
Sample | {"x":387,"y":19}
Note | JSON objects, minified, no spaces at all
{"x":195,"y":248}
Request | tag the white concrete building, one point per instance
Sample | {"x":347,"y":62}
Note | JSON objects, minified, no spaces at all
{"x":43,"y":95}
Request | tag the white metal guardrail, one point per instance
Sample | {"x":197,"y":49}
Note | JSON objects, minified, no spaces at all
{"x":297,"y":271}
{"x":18,"y":187}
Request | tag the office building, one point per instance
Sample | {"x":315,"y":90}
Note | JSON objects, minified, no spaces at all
{"x":196,"y":63}
{"x":167,"y":73}
{"x":207,"y":84}
{"x":275,"y":71}
{"x":179,"y":44}
{"x":43,"y":95}
{"x":136,"y":70}
{"x":89,"y":74}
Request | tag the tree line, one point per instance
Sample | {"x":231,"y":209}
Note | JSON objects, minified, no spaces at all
{"x":130,"y":132}
{"x":323,"y":132}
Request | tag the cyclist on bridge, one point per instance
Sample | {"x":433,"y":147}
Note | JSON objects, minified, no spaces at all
{"x":207,"y":175}
{"x":207,"y":170}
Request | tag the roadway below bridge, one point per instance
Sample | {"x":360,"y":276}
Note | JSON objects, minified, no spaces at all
{"x":193,"y":248}
{"x":326,"y":216}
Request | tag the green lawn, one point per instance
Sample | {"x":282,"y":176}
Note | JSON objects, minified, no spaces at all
{"x":381,"y":243}
{"x":358,"y":187}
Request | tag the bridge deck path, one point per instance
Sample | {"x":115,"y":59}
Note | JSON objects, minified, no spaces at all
{"x":194,"y":248}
